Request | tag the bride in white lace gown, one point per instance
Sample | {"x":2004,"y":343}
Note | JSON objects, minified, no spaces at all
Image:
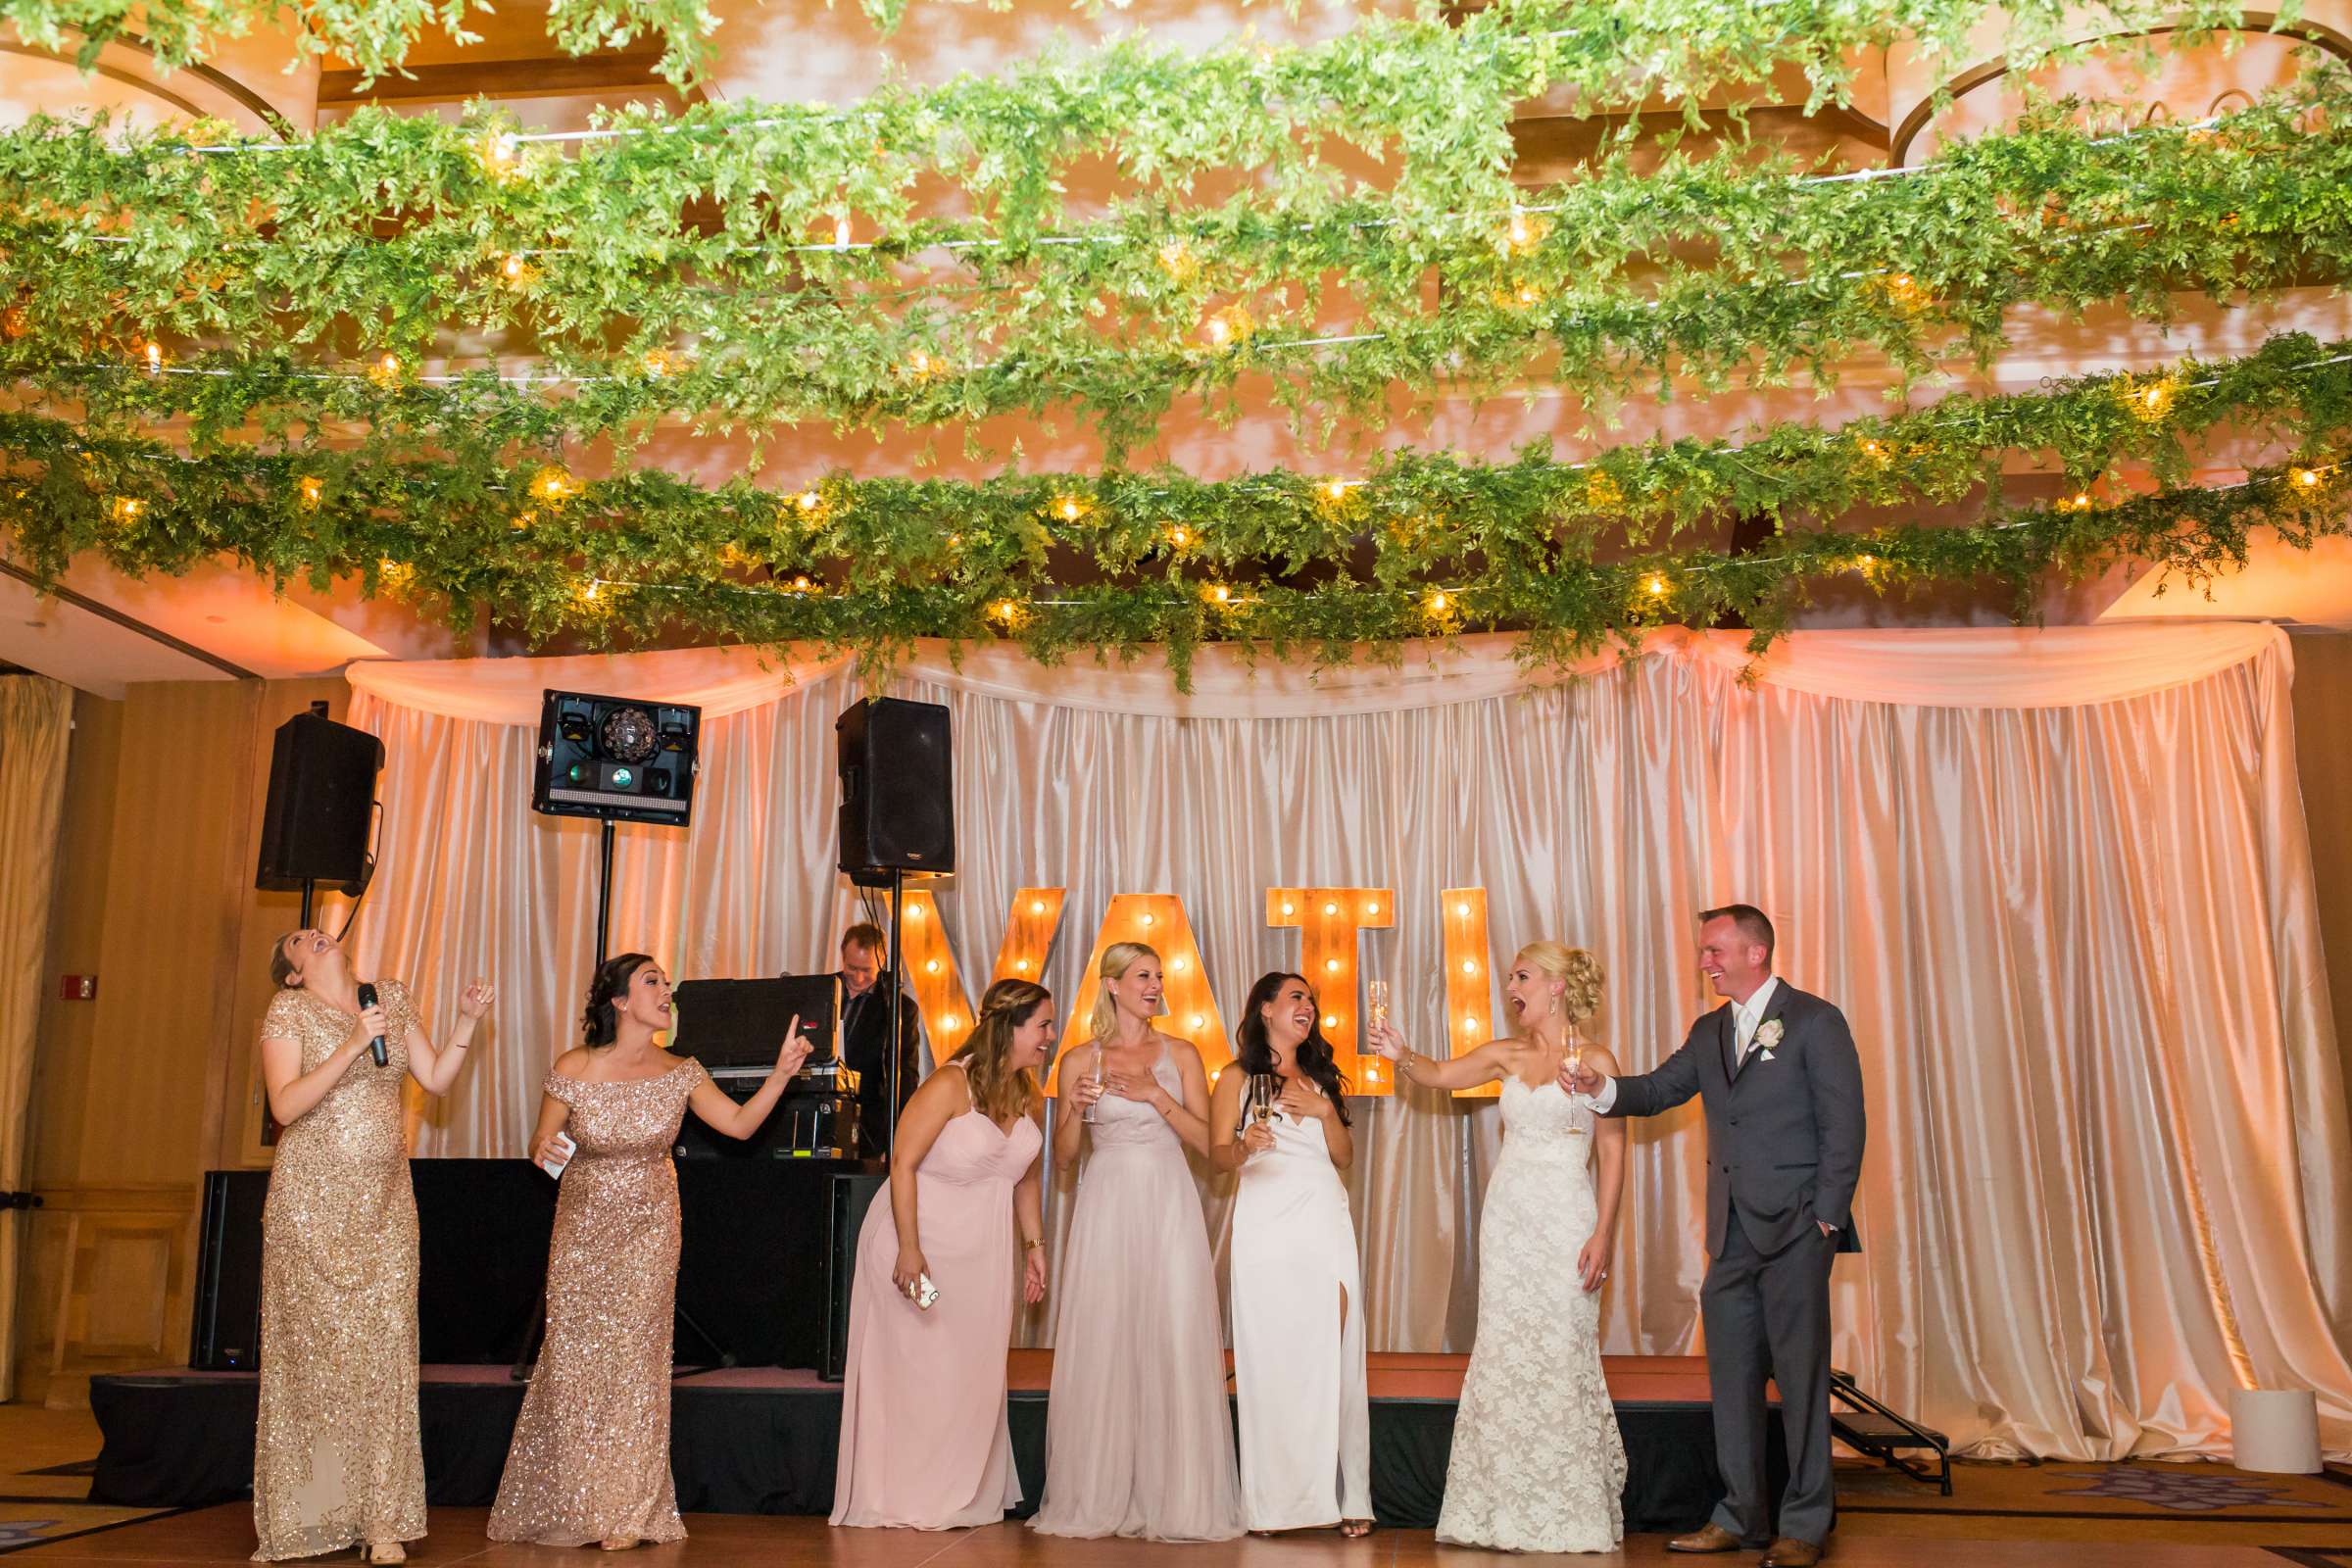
{"x":1538,"y":1463}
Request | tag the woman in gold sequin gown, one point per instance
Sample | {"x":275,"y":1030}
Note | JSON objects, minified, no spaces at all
{"x":590,"y":1460}
{"x":335,"y":1456}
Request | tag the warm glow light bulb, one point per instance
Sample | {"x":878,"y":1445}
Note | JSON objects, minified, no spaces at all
{"x":1175,"y":967}
{"x":1331,"y":909}
{"x":1198,"y":1021}
{"x":1470,"y":1023}
{"x":1146,"y":920}
{"x":1330,"y":1021}
{"x":930,"y":966}
{"x":1657,"y":587}
{"x":1373,"y":907}
{"x":1022,"y":964}
{"x":1287,"y":907}
{"x":841,"y":232}
{"x":1469,"y":966}
{"x":914,"y":911}
{"x":1037,"y":906}
{"x":809,"y":500}
{"x":1332,"y":965}
{"x":948,"y":1022}
{"x":1462,"y":909}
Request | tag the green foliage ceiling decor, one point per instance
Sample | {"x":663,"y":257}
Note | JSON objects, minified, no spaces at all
{"x":1675,"y":49}
{"x":1573,"y":554}
{"x":245,"y":348}
{"x":269,"y":292}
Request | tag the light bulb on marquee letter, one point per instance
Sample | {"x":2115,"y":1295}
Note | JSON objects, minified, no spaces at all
{"x":1469,"y":997}
{"x":931,"y":973}
{"x":1328,"y":920}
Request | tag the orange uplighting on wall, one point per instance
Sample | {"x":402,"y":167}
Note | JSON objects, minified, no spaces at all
{"x":931,"y":976}
{"x":1328,"y":920}
{"x":1189,"y":1011}
{"x":1469,"y":981}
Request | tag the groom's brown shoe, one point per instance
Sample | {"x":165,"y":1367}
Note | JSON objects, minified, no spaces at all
{"x":1713,"y":1537}
{"x":1788,"y":1554}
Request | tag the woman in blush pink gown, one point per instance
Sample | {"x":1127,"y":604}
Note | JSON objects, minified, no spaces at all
{"x":924,"y":1444}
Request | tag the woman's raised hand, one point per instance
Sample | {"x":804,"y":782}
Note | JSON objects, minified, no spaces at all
{"x":475,"y":999}
{"x":795,"y":1048}
{"x":1382,"y":1035}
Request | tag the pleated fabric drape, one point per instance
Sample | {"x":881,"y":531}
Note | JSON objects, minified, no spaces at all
{"x":2057,"y":879}
{"x":36,"y":719}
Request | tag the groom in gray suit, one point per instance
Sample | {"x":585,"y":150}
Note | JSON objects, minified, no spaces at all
{"x":1776,"y":1071}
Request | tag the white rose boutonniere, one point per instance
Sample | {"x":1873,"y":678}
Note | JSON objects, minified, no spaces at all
{"x":1768,"y":1035}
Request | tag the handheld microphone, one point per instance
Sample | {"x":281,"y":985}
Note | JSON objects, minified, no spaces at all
{"x":376,"y":1047}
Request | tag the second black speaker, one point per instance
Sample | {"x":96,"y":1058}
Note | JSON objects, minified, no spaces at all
{"x":898,"y":787}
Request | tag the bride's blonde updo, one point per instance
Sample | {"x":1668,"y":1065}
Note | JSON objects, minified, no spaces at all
{"x":1579,"y":970}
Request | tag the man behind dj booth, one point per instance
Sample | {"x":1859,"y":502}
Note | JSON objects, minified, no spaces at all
{"x":865,"y":1030}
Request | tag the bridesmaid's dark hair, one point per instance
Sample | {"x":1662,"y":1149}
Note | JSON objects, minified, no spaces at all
{"x":611,"y":985}
{"x":1255,"y":1052}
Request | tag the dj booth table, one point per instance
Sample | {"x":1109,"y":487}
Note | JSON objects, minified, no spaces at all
{"x":764,"y":1266}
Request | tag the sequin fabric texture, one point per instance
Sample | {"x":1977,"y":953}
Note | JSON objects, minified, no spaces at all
{"x":336,"y":1459}
{"x":591,"y":1453}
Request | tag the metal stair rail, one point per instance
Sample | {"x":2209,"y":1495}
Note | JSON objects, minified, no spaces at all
{"x":1869,"y":1427}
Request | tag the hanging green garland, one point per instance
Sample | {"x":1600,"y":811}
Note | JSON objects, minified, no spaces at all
{"x":635,"y":319}
{"x":1418,"y":545}
{"x":1677,"y":49}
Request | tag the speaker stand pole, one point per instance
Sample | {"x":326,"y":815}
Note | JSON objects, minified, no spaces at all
{"x":898,"y":985}
{"x":604,"y":896}
{"x":309,"y":888}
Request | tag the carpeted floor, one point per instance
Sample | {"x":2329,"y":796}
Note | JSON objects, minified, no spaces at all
{"x":2138,"y":1501}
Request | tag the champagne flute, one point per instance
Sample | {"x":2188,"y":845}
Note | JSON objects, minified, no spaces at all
{"x":1574,"y":1062}
{"x":1376,"y":1009}
{"x":1101,"y":1051}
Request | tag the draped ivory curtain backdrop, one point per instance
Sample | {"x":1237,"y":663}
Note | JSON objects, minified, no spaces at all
{"x":2057,"y":879}
{"x":37,"y":717}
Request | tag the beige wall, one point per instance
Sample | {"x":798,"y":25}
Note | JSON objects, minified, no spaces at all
{"x":138,"y":1094}
{"x":2323,"y":753}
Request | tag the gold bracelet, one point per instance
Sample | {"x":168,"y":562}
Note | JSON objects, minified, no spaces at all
{"x":1030,"y":1243}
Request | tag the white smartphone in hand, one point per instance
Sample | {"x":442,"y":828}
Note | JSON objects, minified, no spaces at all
{"x":559,"y":1154}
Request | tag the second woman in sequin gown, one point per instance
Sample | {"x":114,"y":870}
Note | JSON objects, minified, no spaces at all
{"x":336,"y":1457}
{"x":590,"y":1459}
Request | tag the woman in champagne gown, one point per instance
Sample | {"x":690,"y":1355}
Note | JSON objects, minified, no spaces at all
{"x":336,"y":1456}
{"x":590,"y":1458}
{"x":1139,"y":1434}
{"x":1538,"y":1463}
{"x":1280,"y":1119}
{"x":924,"y":1440}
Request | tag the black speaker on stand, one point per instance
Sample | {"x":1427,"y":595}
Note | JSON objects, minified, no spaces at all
{"x":318,"y":818}
{"x":897,"y":815}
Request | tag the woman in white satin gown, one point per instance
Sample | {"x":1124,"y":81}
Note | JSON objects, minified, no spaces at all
{"x":1139,"y":1435}
{"x":1279,"y":1118}
{"x":1538,"y":1463}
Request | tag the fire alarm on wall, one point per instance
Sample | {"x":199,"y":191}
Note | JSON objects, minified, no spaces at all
{"x":78,"y":987}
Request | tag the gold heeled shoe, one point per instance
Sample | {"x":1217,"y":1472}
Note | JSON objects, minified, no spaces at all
{"x":618,"y":1542}
{"x":383,"y":1551}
